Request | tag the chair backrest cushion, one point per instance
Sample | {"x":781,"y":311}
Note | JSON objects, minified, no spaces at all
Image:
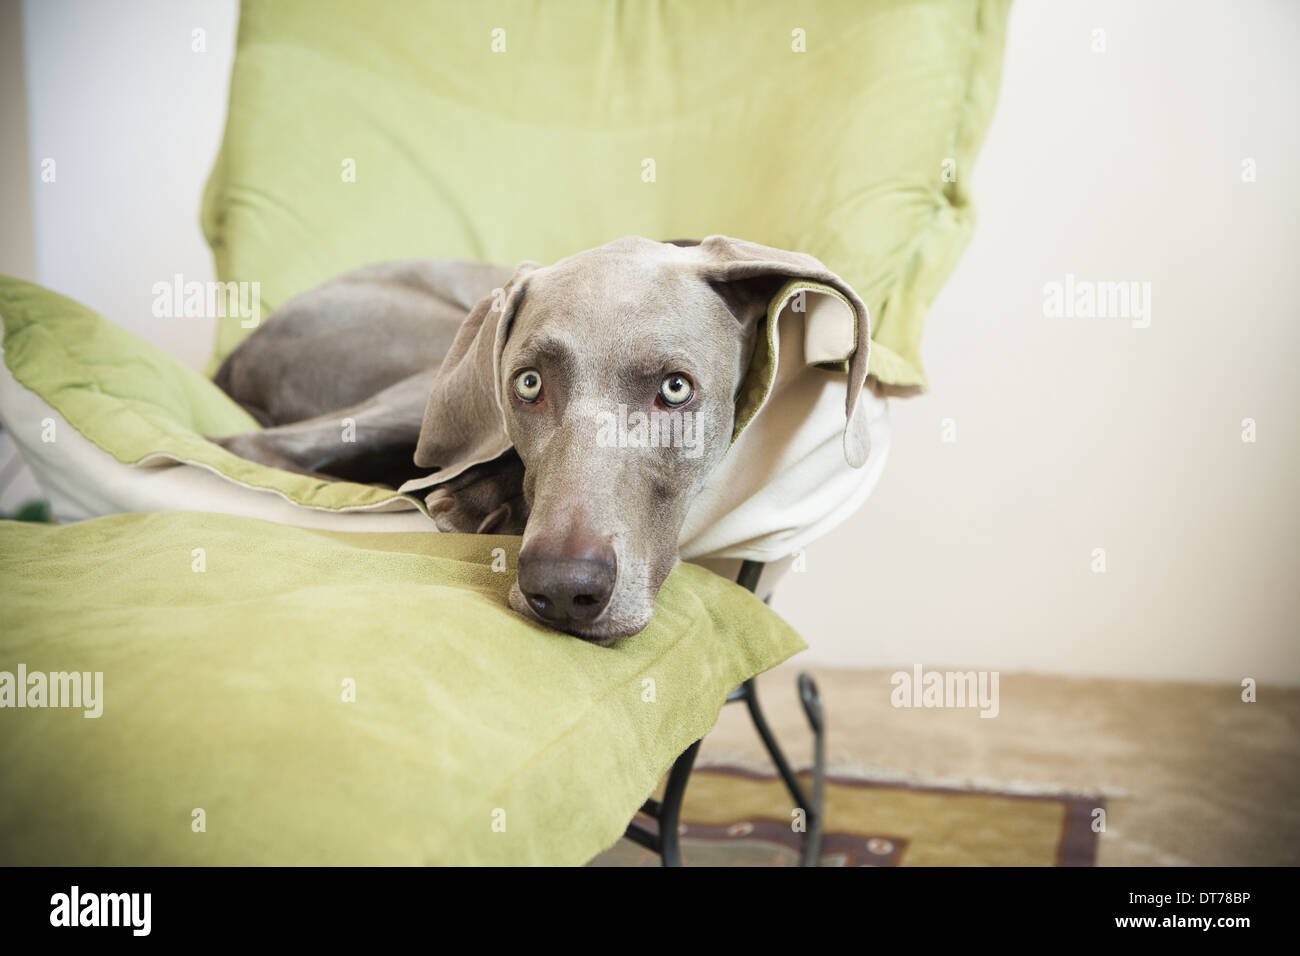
{"x":502,"y":130}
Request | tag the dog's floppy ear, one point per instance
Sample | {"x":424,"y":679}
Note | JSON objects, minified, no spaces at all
{"x":747,"y":276}
{"x":464,"y":424}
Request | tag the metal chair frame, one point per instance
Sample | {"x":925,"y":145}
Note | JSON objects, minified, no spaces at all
{"x":665,"y":839}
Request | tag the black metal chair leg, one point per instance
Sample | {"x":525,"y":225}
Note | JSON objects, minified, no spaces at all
{"x":674,"y":792}
{"x":773,"y":748}
{"x":811,"y":699}
{"x":812,"y":807}
{"x":668,"y":811}
{"x":667,"y":842}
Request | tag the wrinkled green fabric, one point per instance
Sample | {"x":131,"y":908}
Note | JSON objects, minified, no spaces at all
{"x":857,"y":150}
{"x":133,"y":400}
{"x":223,"y":690}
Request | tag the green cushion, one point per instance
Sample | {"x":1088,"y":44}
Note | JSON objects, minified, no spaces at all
{"x":223,"y":690}
{"x":538,"y":151}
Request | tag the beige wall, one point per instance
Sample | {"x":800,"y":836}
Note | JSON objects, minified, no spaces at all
{"x":131,"y":113}
{"x":1080,"y":434}
{"x":1071,"y":435}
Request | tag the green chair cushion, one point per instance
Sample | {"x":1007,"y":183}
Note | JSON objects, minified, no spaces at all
{"x":505,"y":130}
{"x":223,"y":690}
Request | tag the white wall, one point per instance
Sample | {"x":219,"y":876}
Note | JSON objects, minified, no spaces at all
{"x":132,"y":116}
{"x":1070,"y":435}
{"x":1075,"y":435}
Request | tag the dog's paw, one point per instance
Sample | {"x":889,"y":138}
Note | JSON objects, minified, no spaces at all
{"x":485,"y":499}
{"x":458,"y":515}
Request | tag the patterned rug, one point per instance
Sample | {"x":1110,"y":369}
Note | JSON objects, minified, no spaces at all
{"x":735,"y":817}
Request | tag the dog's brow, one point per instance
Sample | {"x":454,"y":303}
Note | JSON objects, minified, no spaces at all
{"x":551,"y":347}
{"x":661,"y":361}
{"x":646,"y":369}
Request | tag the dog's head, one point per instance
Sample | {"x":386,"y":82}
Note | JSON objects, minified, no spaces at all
{"x":614,"y":375}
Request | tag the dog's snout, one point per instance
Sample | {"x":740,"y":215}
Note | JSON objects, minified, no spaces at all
{"x":568,"y":585}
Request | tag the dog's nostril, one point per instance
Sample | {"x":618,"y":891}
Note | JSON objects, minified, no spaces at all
{"x":560,"y":589}
{"x":540,"y":603}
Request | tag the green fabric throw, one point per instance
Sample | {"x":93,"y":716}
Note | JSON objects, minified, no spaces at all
{"x":134,"y":401}
{"x":224,"y":691}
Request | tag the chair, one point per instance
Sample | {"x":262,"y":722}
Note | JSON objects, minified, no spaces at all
{"x":497,"y":131}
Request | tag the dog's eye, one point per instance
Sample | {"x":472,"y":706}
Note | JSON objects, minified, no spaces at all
{"x":676,"y":389}
{"x":528,"y":384}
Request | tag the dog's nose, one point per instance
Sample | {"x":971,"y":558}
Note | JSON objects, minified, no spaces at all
{"x":568,"y":584}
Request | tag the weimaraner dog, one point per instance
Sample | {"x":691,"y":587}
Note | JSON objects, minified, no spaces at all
{"x":499,"y":382}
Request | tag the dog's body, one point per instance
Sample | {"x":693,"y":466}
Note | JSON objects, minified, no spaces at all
{"x":501,"y":381}
{"x":365,"y":348}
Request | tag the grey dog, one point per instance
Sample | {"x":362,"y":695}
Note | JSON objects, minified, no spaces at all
{"x":496,"y":379}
